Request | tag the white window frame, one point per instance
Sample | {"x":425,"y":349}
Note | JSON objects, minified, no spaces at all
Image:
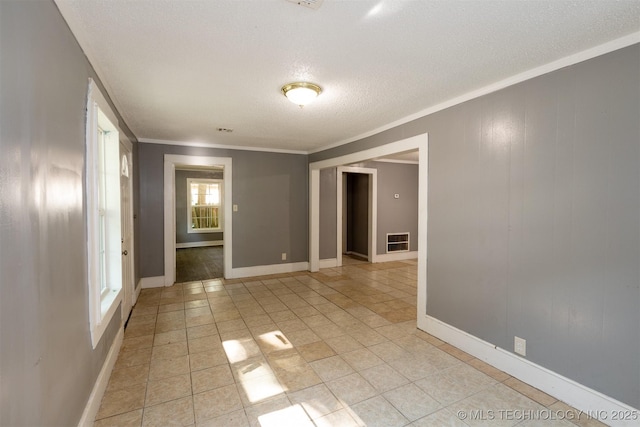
{"x":102,"y":200}
{"x":219,"y":205}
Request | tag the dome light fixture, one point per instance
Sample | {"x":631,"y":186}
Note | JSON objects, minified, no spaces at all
{"x":301,"y":93}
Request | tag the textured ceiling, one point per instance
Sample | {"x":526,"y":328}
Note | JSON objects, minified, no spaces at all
{"x":177,"y":70}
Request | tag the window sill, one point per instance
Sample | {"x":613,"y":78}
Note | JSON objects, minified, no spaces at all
{"x":108,"y":307}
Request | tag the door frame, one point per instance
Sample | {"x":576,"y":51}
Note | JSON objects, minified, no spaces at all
{"x":418,"y":142}
{"x":372,"y":225}
{"x":171,"y":161}
{"x":130,"y":295}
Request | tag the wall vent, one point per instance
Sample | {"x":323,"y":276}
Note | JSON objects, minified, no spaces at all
{"x":397,"y":242}
{"x":313,"y":4}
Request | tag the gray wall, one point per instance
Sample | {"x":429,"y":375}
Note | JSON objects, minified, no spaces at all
{"x":394,"y":215}
{"x":47,"y":364}
{"x":328,"y":218}
{"x":534,"y":218}
{"x":270,"y":189}
{"x":182,"y":235}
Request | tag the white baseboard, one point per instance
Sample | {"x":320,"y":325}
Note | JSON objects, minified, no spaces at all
{"x":581,"y":397}
{"x":263,"y":270}
{"x":199,"y":244}
{"x":397,"y":256}
{"x":95,"y":398}
{"x":152,"y":282}
{"x":136,"y":293}
{"x":328,"y":263}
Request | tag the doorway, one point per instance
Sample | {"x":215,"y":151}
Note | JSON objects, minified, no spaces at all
{"x":199,"y":223}
{"x":419,"y":143}
{"x":177,"y":162}
{"x":357,"y":194}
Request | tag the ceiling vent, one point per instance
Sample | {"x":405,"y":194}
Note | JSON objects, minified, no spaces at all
{"x":312,"y":4}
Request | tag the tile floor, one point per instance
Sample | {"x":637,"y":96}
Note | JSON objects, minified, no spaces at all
{"x":335,"y":348}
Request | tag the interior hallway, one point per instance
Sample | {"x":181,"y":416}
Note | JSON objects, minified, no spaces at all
{"x":335,"y":348}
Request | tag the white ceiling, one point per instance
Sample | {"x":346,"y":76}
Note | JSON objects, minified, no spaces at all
{"x":179,"y":69}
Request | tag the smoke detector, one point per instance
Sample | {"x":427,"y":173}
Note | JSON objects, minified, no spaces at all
{"x":312,"y":4}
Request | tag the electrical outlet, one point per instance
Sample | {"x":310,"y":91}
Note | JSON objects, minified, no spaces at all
{"x":520,"y":346}
{"x":284,"y":256}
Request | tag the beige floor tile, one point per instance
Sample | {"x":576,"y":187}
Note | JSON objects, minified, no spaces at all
{"x":202,"y":331}
{"x":171,"y":337}
{"x":378,"y":412}
{"x":196,"y":304}
{"x":362,"y":359}
{"x":169,"y":351}
{"x":256,"y":389}
{"x":207,"y":359}
{"x":296,"y":342}
{"x":123,"y":400}
{"x":315,"y":351}
{"x":328,"y":331}
{"x":412,"y":402}
{"x":383,"y":377}
{"x":302,"y":337}
{"x":139,"y":330}
{"x":178,"y":306}
{"x":331,"y":368}
{"x":204,"y":310}
{"x":531,"y":392}
{"x":487,"y":369}
{"x":343,"y":344}
{"x":292,"y":325}
{"x":167,"y":389}
{"x":128,"y":376}
{"x":206,"y":319}
{"x":503,"y":402}
{"x":128,"y":419}
{"x":272,"y":341}
{"x":456,"y":352}
{"x":230,"y":325}
{"x":176,"y":412}
{"x":205,"y":343}
{"x":217,"y":402}
{"x":317,"y":401}
{"x":136,"y":343}
{"x":351,"y":389}
{"x":226,"y":315}
{"x":369,"y":337}
{"x":443,"y":418}
{"x":388,"y":351}
{"x":414,"y":367}
{"x":298,"y":379}
{"x":232,"y":419}
{"x":165,"y":368}
{"x":170,"y":325}
{"x":239,"y":350}
{"x":340,"y":418}
{"x":210,"y":378}
{"x":133,"y":357}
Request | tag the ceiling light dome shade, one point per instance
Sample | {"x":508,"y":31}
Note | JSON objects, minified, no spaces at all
{"x":301,"y":93}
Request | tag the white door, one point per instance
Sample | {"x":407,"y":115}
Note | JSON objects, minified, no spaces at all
{"x":126,"y":209}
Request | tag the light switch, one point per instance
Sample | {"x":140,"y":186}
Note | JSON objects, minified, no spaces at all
{"x":235,"y":208}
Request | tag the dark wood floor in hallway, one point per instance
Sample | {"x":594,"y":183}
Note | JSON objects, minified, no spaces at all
{"x":199,"y":264}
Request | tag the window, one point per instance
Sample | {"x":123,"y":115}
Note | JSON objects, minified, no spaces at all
{"x":204,"y":207}
{"x":103,"y":213}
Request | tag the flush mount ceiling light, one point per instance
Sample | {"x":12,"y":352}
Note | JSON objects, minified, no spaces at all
{"x":301,"y":93}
